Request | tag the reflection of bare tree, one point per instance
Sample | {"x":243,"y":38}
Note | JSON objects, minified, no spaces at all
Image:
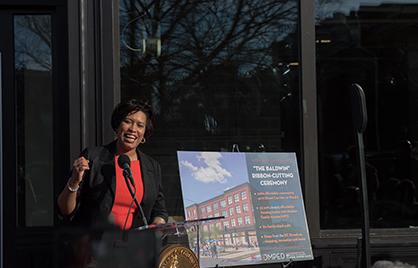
{"x":33,"y":42}
{"x":202,"y":41}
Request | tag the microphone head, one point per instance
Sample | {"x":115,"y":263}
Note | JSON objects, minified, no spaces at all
{"x":124,"y":161}
{"x":359,"y":109}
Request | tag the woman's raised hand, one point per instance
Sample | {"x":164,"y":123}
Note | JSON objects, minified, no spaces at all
{"x":80,"y":165}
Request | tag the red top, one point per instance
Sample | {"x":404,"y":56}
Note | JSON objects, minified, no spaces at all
{"x":123,"y":198}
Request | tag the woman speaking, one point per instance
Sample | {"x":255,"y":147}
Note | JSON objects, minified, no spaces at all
{"x":98,"y":191}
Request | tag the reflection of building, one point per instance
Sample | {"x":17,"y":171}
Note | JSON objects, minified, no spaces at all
{"x":238,"y":226}
{"x":286,"y":96}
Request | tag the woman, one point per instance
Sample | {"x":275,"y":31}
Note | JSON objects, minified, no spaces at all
{"x":97,"y":192}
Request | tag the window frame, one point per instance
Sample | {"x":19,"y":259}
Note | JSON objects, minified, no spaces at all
{"x":308,"y":126}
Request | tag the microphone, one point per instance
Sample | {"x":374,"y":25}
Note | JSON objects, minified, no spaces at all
{"x":359,"y":113}
{"x":359,"y":110}
{"x":125,"y":163}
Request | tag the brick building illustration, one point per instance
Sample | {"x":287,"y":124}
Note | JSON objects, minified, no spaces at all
{"x":237,"y":228}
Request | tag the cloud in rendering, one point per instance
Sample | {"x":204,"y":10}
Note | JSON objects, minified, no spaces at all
{"x":210,"y":171}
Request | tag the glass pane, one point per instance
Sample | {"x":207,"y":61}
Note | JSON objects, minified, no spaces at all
{"x":373,"y":43}
{"x":33,"y":82}
{"x":217,"y":73}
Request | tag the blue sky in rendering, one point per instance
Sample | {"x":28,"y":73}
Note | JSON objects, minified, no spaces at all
{"x":205,"y":175}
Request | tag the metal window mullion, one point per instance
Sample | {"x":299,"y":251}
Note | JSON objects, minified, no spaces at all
{"x":1,"y":167}
{"x":309,"y":115}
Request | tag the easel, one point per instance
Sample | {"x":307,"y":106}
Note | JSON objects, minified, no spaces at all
{"x":283,"y":265}
{"x":288,"y":264}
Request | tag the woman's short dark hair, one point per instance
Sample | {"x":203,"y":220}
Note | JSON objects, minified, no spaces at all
{"x":125,"y":108}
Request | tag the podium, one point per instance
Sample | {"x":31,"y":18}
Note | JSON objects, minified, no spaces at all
{"x":126,"y":249}
{"x":159,"y":246}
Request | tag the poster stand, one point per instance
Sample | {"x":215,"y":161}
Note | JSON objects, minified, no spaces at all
{"x":288,"y":264}
{"x":283,"y":265}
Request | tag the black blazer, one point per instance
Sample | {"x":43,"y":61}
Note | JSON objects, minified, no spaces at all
{"x":97,"y":191}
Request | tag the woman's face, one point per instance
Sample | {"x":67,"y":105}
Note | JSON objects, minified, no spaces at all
{"x":131,"y":131}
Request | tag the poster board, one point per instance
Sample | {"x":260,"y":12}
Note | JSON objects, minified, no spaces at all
{"x":260,"y":197}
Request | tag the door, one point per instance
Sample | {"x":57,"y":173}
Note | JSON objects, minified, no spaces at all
{"x":34,"y":119}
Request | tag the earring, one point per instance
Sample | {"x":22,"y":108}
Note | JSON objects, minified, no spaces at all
{"x":143,"y":140}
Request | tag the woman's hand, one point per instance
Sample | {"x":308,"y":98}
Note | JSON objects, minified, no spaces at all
{"x":67,"y":199}
{"x":158,"y":220}
{"x":80,"y":165}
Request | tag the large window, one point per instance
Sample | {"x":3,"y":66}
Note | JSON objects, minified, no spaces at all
{"x":218,"y":74}
{"x":30,"y":96}
{"x":34,"y":93}
{"x":375,"y":45}
{"x":33,"y":82}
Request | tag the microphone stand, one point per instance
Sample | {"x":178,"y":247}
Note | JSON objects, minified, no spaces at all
{"x":128,"y":178}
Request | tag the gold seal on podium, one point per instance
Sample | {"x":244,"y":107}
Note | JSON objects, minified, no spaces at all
{"x":177,"y":256}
